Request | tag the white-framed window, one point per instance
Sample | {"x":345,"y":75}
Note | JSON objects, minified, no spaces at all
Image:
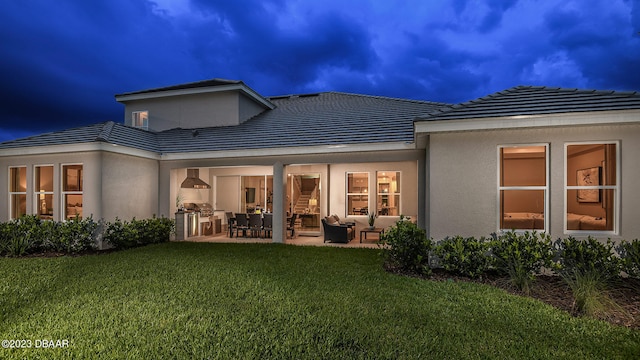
{"x":72,"y":191}
{"x":43,"y":191}
{"x":388,"y":197}
{"x":140,"y":119}
{"x":17,"y":191}
{"x":523,"y":187}
{"x":592,"y":187}
{"x":357,"y":193}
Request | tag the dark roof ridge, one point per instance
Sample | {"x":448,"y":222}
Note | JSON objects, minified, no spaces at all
{"x":574,"y":90}
{"x":189,"y":85}
{"x":392,"y":98}
{"x":382,"y":97}
{"x":105,"y":133}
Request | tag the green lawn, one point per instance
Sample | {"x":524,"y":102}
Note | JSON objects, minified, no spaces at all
{"x":261,"y":301}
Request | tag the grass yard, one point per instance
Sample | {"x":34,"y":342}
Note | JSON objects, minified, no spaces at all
{"x":271,"y":301}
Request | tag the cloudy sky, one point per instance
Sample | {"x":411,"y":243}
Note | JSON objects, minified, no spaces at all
{"x":62,"y":62}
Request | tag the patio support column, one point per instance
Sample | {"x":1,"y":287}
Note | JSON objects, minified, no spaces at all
{"x":279,"y":196}
{"x":423,"y":191}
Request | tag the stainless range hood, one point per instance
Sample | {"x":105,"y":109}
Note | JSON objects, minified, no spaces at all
{"x":193,"y":180}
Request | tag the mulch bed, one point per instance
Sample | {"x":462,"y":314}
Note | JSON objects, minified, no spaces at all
{"x":553,"y":291}
{"x":53,"y":254}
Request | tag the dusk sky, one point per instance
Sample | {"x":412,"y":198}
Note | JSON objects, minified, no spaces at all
{"x":63,"y":61}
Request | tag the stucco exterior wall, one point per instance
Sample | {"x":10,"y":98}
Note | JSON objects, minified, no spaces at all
{"x":463,"y":177}
{"x":129,"y":187}
{"x":408,"y":189}
{"x":92,"y":181}
{"x":188,"y":111}
{"x":248,"y":108}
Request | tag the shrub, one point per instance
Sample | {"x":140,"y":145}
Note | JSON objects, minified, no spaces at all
{"x":154,"y":230}
{"x":124,"y":235}
{"x":75,"y":235}
{"x":583,"y":256}
{"x":521,"y":256}
{"x":630,"y":257}
{"x":21,"y":236}
{"x":406,"y":245}
{"x":464,"y":256}
{"x":121,"y":234}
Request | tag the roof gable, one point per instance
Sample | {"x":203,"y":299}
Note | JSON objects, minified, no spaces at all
{"x":198,"y":87}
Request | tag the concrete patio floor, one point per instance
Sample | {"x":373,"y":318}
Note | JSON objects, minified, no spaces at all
{"x":302,"y":240}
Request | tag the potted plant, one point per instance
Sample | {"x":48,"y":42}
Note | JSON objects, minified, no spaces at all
{"x":372,"y":219}
{"x":179,"y":198}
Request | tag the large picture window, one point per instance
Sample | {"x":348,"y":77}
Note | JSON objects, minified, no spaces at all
{"x":388,"y":201}
{"x":72,"y":187}
{"x":17,"y":191}
{"x":591,"y":187}
{"x":357,"y":193}
{"x":523,"y":187}
{"x":43,"y":188}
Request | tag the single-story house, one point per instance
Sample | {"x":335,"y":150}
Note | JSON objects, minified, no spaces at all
{"x":527,"y":158}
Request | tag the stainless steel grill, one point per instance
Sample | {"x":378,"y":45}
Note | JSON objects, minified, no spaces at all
{"x":205,"y":209}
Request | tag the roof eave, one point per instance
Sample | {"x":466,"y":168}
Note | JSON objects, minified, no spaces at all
{"x":294,"y":150}
{"x":241,"y":87}
{"x":77,"y":148}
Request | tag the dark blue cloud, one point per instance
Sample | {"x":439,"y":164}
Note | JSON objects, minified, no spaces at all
{"x":62,"y":61}
{"x":292,"y":58}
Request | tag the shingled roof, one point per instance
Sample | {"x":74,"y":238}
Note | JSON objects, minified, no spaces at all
{"x":107,"y":132}
{"x":191,"y":85}
{"x":330,"y":118}
{"x":537,"y":100}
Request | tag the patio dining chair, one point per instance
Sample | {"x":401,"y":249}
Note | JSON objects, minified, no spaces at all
{"x":242,"y":223}
{"x":267,"y":224}
{"x":231,"y":223}
{"x":255,"y":224}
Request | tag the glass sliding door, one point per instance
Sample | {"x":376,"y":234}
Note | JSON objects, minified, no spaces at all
{"x":257,"y":193}
{"x":303,"y":198}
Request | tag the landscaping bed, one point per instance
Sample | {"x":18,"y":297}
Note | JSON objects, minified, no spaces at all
{"x":554,"y":291}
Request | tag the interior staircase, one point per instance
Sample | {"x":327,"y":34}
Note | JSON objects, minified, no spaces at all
{"x":302,"y":203}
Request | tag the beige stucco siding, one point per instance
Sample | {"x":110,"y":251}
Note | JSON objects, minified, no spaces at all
{"x":248,"y":108}
{"x":408,"y":189}
{"x":463,"y":177}
{"x":92,"y":180}
{"x":188,"y":111}
{"x":129,"y":187}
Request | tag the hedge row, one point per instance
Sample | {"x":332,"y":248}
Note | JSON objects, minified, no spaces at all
{"x":29,"y":234}
{"x":519,"y":255}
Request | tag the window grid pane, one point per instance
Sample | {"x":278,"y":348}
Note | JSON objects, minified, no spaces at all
{"x":357,"y":193}
{"x":72,"y":187}
{"x":388,"y":196}
{"x":591,"y":187}
{"x":523,"y":189}
{"x":44,"y":195}
{"x":17,"y":192}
